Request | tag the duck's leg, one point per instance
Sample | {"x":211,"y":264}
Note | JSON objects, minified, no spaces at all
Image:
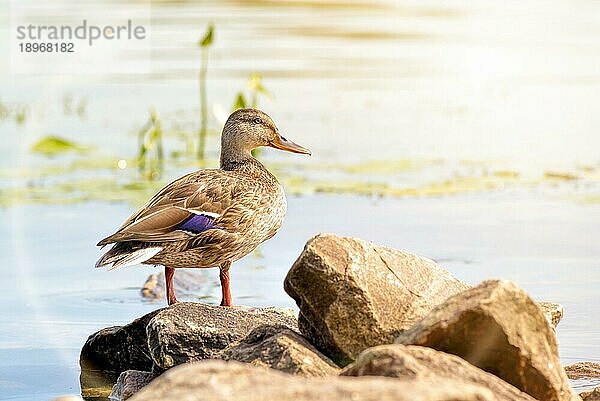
{"x":169,"y":272}
{"x":224,"y":276}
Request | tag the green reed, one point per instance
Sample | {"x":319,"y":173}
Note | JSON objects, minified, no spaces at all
{"x":255,"y":89}
{"x":150,"y":156}
{"x":204,"y":44}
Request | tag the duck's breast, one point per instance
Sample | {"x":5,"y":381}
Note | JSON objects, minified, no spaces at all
{"x":274,"y":216}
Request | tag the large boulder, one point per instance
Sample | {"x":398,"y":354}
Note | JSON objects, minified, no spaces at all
{"x":187,"y":332}
{"x":353,"y":294}
{"x":226,"y":381}
{"x":282,"y":349}
{"x":498,"y":328}
{"x":119,"y":348}
{"x":169,"y":336}
{"x":420,"y":363}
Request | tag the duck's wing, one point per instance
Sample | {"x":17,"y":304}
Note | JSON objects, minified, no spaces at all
{"x":186,"y":207}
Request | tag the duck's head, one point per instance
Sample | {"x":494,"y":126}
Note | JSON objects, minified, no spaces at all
{"x":247,"y":129}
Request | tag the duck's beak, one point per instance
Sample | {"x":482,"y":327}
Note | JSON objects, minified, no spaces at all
{"x":281,"y":143}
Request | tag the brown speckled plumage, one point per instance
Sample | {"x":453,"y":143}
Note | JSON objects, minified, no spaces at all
{"x":245,"y":203}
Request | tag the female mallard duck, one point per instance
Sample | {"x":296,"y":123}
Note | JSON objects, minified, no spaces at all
{"x":209,"y":218}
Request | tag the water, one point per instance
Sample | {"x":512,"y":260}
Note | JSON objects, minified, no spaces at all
{"x":452,"y":79}
{"x":54,"y":299}
{"x":512,"y":84}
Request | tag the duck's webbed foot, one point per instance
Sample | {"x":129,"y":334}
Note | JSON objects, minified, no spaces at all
{"x":225,"y":280}
{"x":169,"y":273}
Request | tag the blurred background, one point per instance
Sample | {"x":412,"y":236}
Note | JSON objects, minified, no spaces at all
{"x":463,"y":131}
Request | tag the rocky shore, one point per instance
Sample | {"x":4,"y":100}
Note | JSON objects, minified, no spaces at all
{"x":374,"y":323}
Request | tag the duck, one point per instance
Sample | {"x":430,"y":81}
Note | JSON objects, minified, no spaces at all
{"x":211,"y":217}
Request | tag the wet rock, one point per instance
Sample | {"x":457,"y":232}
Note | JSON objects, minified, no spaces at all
{"x":353,"y":294}
{"x":225,"y":381}
{"x":188,"y":284}
{"x":419,"y":363}
{"x":553,"y":312}
{"x":498,"y":328}
{"x":119,"y":348}
{"x":593,"y":395}
{"x":187,"y":332}
{"x":129,"y":383}
{"x":583,"y":370}
{"x":282,"y":349}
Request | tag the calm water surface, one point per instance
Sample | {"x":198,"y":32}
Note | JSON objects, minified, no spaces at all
{"x":53,"y":299}
{"x":515,"y":81}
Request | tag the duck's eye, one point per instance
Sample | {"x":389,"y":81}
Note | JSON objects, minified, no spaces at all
{"x":257,"y":121}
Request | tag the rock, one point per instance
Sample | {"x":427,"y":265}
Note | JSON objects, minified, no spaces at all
{"x":187,"y":332}
{"x":553,"y":312}
{"x":129,"y":383}
{"x":585,"y":375}
{"x":418,"y":363}
{"x":119,"y":348}
{"x":353,"y":294}
{"x":282,"y":349}
{"x":593,"y":395}
{"x":583,"y":370}
{"x":169,"y":336}
{"x":151,"y":289}
{"x":187,"y":282}
{"x":498,"y":328}
{"x":226,"y":381}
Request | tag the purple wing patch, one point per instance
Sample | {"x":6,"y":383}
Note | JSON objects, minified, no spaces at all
{"x":198,"y":223}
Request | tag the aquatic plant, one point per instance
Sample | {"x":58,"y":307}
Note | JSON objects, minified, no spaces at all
{"x":82,"y":179}
{"x":4,"y":111}
{"x":73,"y":107}
{"x":17,"y":112}
{"x":256,"y":89}
{"x":20,"y":115}
{"x":204,"y":44}
{"x":150,"y":157}
{"x":53,"y":145}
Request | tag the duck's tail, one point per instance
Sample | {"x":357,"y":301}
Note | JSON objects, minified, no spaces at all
{"x":127,"y":254}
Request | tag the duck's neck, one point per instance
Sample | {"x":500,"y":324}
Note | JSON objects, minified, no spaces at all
{"x":242,"y":161}
{"x":233,"y":156}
